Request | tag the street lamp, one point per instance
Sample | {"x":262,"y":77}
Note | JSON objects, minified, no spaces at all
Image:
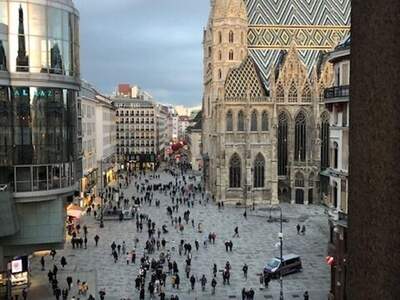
{"x":281,"y":250}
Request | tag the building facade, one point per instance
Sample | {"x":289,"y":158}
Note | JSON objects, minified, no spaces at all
{"x":40,"y":144}
{"x":136,"y":132}
{"x":87,"y":101}
{"x":106,"y":142}
{"x":163,"y":139}
{"x":337,"y":100}
{"x":194,"y":143}
{"x":260,"y":143}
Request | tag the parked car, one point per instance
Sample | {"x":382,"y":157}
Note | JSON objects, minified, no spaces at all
{"x":291,"y":263}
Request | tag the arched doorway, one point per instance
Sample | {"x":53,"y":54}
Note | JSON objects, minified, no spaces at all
{"x":299,"y":196}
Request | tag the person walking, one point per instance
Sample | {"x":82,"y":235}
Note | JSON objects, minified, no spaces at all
{"x":303,"y":230}
{"x":96,"y":239}
{"x":236,"y":234}
{"x":306,"y":297}
{"x":244,"y":294}
{"x":177,"y":280}
{"x":298,"y":228}
{"x":63,"y":262}
{"x":42,"y":262}
{"x":203,"y":281}
{"x":245,"y":269}
{"x":215,"y":270}
{"x":102,"y":294}
{"x":213,"y":285}
{"x":192,"y":281}
{"x":69,"y":282}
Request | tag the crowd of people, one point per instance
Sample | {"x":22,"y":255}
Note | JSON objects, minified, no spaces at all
{"x":156,"y":254}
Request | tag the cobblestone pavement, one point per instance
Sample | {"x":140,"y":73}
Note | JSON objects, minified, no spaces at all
{"x":255,"y":246}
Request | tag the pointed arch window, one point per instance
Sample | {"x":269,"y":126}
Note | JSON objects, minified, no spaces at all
{"x":231,"y":37}
{"x":254,"y":120}
{"x":220,"y":55}
{"x":235,"y":170}
{"x":300,"y":137}
{"x":230,"y":54}
{"x":282,"y":144}
{"x":299,"y":180}
{"x":264,"y":121}
{"x":240,"y":121}
{"x":324,"y":136}
{"x":306,"y":96}
{"x":292,"y":97}
{"x":280,"y":94}
{"x":335,"y":155}
{"x":219,"y":37}
{"x":229,"y":121}
{"x":259,"y":171}
{"x":321,"y":93}
{"x":209,"y":51}
{"x":219,"y":74}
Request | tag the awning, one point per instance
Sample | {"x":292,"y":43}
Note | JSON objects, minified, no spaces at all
{"x":74,"y":210}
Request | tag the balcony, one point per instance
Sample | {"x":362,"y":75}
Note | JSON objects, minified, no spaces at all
{"x":337,"y":94}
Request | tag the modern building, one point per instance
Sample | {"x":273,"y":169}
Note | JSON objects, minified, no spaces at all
{"x":261,"y":142}
{"x":136,"y":132}
{"x":337,"y":100}
{"x":40,"y":144}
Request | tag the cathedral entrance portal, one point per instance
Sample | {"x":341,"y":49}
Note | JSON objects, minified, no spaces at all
{"x":299,"y":196}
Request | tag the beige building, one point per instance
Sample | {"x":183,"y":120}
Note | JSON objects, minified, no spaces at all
{"x":259,"y":145}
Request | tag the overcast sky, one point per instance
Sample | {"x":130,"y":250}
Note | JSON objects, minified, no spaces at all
{"x":153,"y":43}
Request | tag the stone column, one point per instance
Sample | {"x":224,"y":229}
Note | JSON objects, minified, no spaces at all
{"x":374,"y":182}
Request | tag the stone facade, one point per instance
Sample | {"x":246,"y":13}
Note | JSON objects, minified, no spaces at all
{"x":259,"y":145}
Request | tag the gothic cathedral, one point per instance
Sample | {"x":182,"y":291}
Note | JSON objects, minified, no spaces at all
{"x":261,"y":142}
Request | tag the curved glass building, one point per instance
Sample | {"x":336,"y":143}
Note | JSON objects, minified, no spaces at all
{"x":39,"y":126}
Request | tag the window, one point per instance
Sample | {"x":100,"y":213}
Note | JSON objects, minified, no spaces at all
{"x":230,"y":54}
{"x":219,"y":37}
{"x":345,"y":74}
{"x":229,"y":121}
{"x":299,"y":180}
{"x":209,"y":51}
{"x":324,"y":136}
{"x":259,"y":169}
{"x":335,"y":155}
{"x":235,"y":171}
{"x":282,"y":144}
{"x":344,"y":115}
{"x":306,"y":97}
{"x":240,"y":125}
{"x":280,"y":94}
{"x":230,"y":36}
{"x":219,"y":74}
{"x":254,"y":121}
{"x":292,"y":93}
{"x":264,"y":121}
{"x":220,"y":55}
{"x":300,"y":137}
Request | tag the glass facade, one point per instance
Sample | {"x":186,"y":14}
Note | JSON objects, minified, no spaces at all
{"x":38,"y":39}
{"x":38,"y":137}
